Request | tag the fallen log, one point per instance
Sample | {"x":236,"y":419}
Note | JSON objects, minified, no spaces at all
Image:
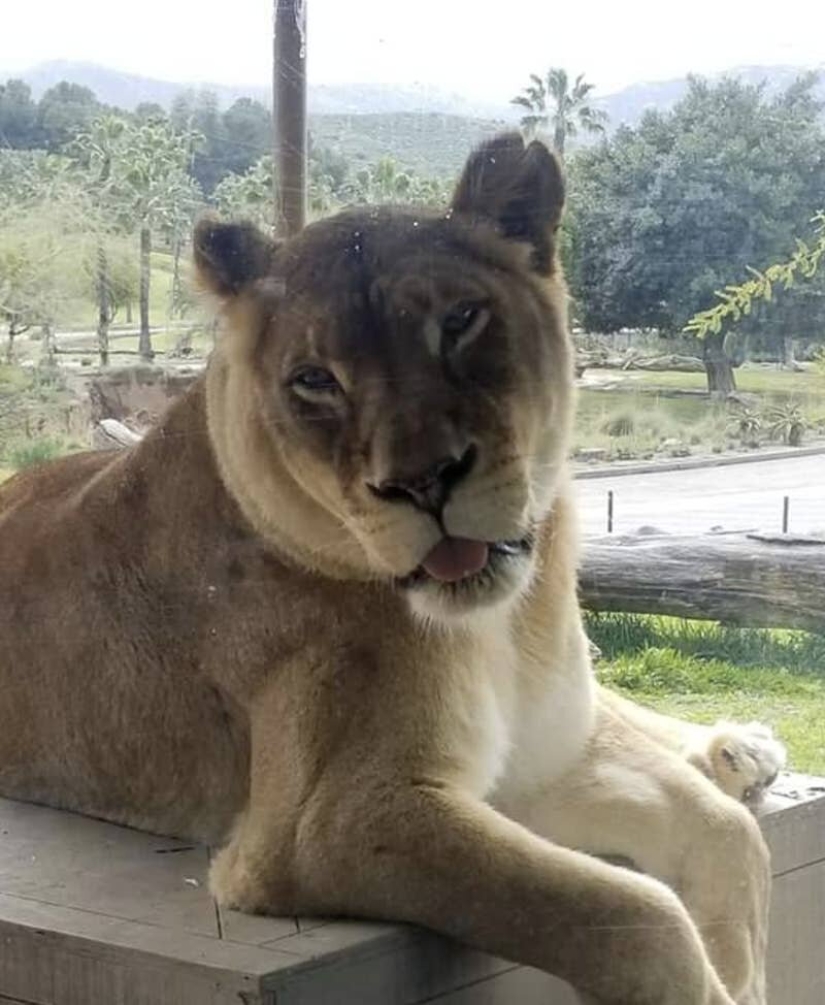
{"x":673,"y":361}
{"x":738,"y":579}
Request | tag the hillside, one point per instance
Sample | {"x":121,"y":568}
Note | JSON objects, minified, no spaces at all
{"x":422,"y":127}
{"x":627,"y":105}
{"x":432,"y":145}
{"x":128,"y":90}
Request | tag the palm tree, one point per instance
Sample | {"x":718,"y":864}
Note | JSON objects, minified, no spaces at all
{"x":551,"y":102}
{"x":97,"y":150}
{"x":157,"y":189}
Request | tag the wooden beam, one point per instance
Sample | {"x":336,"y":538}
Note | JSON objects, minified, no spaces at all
{"x":289,"y":100}
{"x":734,"y":578}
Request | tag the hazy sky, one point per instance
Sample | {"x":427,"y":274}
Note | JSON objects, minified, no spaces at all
{"x":480,"y":48}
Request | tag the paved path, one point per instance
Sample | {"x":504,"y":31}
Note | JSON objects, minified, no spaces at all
{"x":739,"y":497}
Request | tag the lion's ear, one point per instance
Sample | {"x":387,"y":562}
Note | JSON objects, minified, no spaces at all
{"x":230,"y":256}
{"x":517,"y":186}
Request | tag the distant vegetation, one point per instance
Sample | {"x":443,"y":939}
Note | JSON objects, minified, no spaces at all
{"x":429,"y":144}
{"x":624,"y":107}
{"x":660,"y":215}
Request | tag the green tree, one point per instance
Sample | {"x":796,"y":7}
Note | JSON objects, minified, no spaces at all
{"x":147,"y":111}
{"x":328,"y":164}
{"x":100,"y":153}
{"x":565,"y":108}
{"x":39,"y":272}
{"x":386,"y":182}
{"x":249,"y":196}
{"x":30,"y":176}
{"x":18,"y":116}
{"x":246,"y":135}
{"x":63,"y":112}
{"x":198,"y":112}
{"x":737,"y":301}
{"x":159,"y":190}
{"x":663,"y":215}
{"x":233,"y":140}
{"x":138,"y":176}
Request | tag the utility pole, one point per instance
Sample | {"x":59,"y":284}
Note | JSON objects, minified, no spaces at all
{"x":289,"y":101}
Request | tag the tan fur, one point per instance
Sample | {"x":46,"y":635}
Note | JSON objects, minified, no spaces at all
{"x":213,"y":634}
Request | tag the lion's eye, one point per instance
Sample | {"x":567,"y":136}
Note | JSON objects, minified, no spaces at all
{"x":463,"y":322}
{"x":315,"y":380}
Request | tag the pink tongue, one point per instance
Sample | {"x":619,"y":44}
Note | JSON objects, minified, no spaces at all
{"x":453,"y":558}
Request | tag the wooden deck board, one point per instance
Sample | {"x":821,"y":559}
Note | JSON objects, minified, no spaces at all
{"x":73,"y":861}
{"x":93,"y":914}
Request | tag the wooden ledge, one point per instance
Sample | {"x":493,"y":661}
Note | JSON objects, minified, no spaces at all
{"x":93,"y":914}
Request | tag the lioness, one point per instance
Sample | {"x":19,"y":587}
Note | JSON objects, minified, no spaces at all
{"x":325,"y":615}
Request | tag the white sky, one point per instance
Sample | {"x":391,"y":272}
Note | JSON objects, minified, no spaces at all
{"x":480,"y":49}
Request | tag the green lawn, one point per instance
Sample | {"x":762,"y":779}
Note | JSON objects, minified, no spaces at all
{"x":750,"y":378}
{"x":83,"y":313}
{"x":640,"y":417}
{"x":704,"y":671}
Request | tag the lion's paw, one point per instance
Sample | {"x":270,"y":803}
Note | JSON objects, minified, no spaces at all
{"x":743,"y":759}
{"x":232,"y":883}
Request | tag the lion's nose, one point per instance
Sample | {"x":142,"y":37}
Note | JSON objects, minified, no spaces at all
{"x":430,"y":489}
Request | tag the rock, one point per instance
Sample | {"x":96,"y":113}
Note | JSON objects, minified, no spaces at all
{"x":109,"y":433}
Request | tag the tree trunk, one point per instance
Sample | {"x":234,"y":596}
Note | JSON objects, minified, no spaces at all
{"x":145,"y":341}
{"x":103,"y":306}
{"x":176,"y":296}
{"x":558,"y":139}
{"x":47,"y":348}
{"x":737,"y":579}
{"x":788,"y":359}
{"x":721,"y":381}
{"x":128,"y":312}
{"x":10,"y":343}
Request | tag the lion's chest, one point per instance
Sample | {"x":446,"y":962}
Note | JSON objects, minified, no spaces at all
{"x":514,"y":724}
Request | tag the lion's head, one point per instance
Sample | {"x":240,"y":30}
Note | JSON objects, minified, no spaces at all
{"x":391,"y":394}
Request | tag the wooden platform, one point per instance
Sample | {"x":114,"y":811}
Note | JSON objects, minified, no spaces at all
{"x":92,"y":914}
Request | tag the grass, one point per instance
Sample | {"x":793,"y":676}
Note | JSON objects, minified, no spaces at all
{"x":35,"y":452}
{"x":33,"y":424}
{"x":750,"y":379}
{"x":82,"y":312}
{"x":81,"y":315}
{"x":639,"y":417}
{"x":642,"y":424}
{"x":705,"y":671}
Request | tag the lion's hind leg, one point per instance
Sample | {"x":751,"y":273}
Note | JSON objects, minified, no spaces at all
{"x":743,"y":759}
{"x":633,"y":799}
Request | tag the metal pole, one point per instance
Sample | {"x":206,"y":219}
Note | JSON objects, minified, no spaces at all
{"x":610,"y":511}
{"x":786,"y":501}
{"x":289,"y":101}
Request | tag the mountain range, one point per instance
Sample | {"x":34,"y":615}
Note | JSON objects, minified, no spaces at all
{"x":422,"y":127}
{"x":125,"y":90}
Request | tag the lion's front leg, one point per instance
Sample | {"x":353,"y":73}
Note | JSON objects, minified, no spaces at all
{"x":426,"y":853}
{"x":743,"y":759}
{"x":368,"y":836}
{"x":633,"y":799}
